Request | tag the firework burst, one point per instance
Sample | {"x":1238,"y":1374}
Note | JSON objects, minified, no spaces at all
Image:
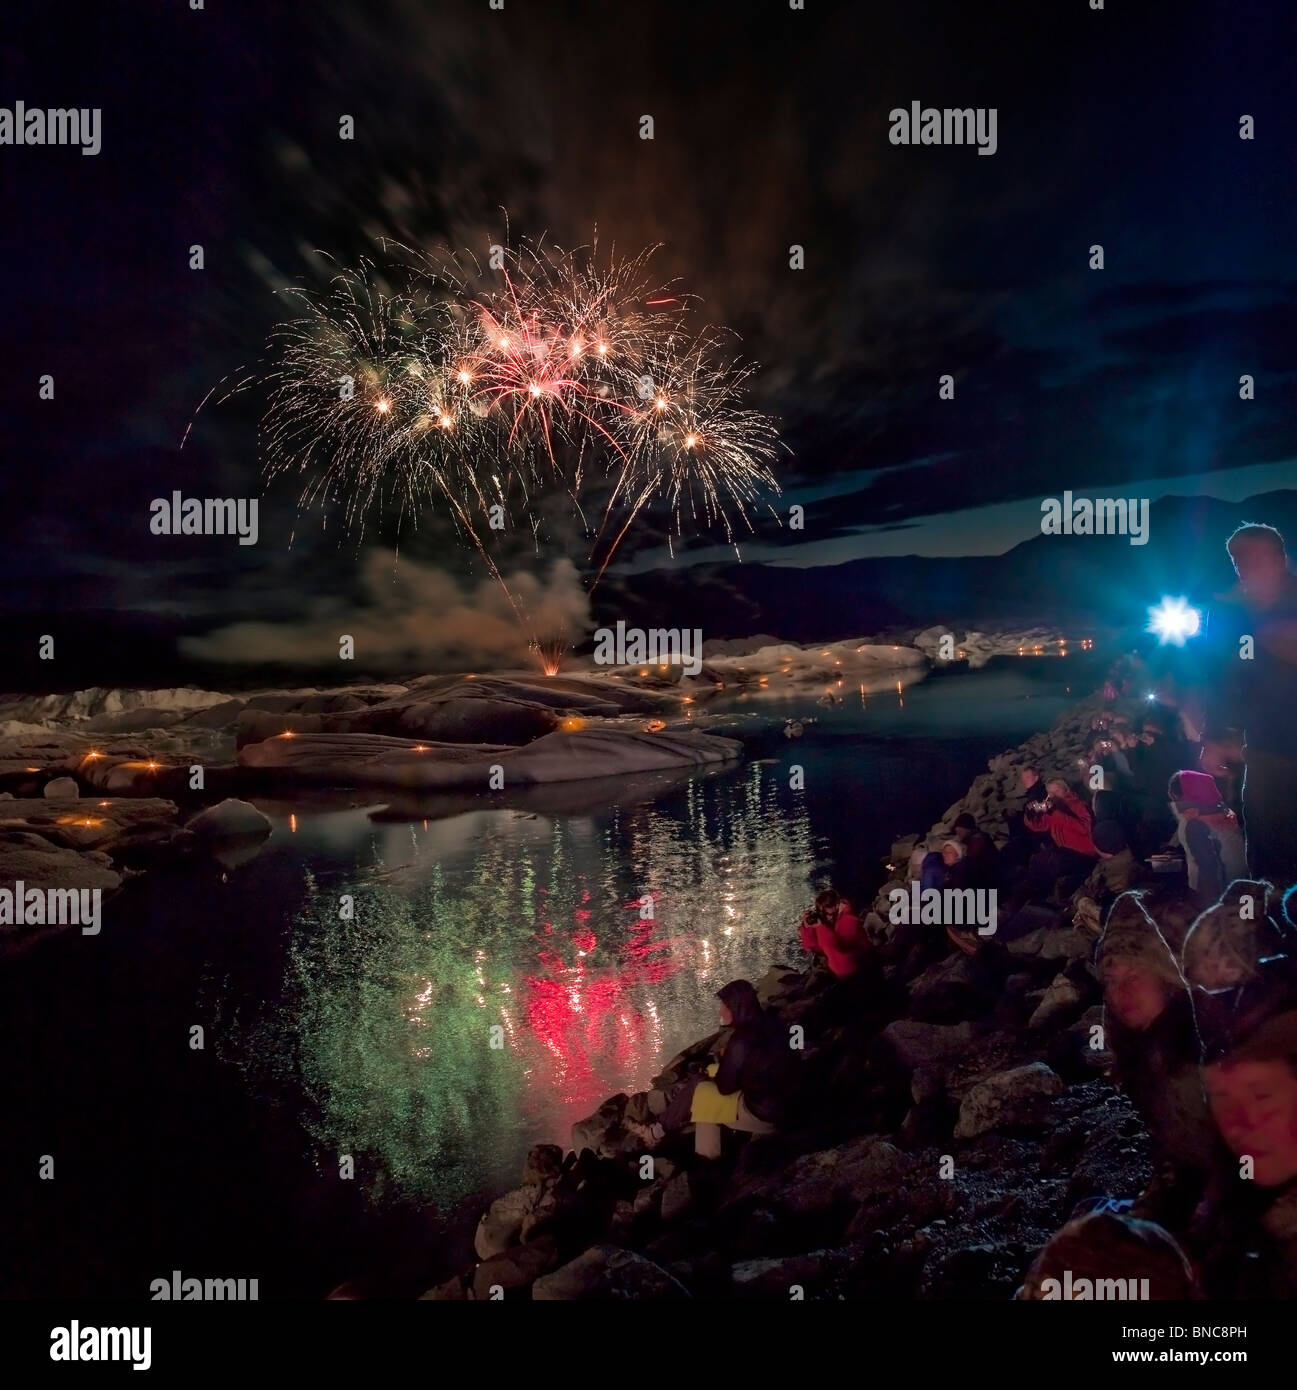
{"x":477,"y":390}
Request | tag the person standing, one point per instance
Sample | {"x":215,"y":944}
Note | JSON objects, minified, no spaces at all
{"x":1252,"y":697}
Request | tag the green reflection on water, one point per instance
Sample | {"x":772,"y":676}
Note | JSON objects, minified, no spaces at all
{"x":536,"y":926}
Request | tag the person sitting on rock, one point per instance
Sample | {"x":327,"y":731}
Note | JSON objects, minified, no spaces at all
{"x":752,"y":1081}
{"x":1241,"y":954}
{"x":1149,"y":1028}
{"x":1109,"y":798}
{"x":1209,"y":831}
{"x":945,"y":867}
{"x":1063,"y":865}
{"x":831,"y":929}
{"x":980,"y":854}
{"x":1117,"y":870}
{"x":1153,"y":759}
{"x":1022,"y":842}
{"x":1091,"y":1252}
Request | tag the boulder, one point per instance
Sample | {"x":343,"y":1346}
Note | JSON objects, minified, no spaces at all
{"x":1062,"y":1000}
{"x":851,"y":1172}
{"x":603,"y":1132}
{"x":1051,"y":943}
{"x":677,"y":1198}
{"x":915,"y":1044}
{"x":62,"y":789}
{"x":1007,"y":1098}
{"x":608,"y":1272}
{"x":776,"y":983}
{"x":637,"y":1108}
{"x":679,"y":1065}
{"x":544,"y":1164}
{"x":621,"y":1223}
{"x":649,"y":1197}
{"x":1072,"y":1052}
{"x":542,"y":1214}
{"x":502,"y":1222}
{"x":516,"y":1268}
{"x":955,"y":987}
{"x":231,"y":819}
{"x":927,"y":1083}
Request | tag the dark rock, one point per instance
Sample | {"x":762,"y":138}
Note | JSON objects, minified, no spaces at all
{"x":1005,"y":1099}
{"x":677,"y":1198}
{"x":683,"y":1062}
{"x":815,"y":1182}
{"x":915,"y":1044}
{"x":604,"y":1132}
{"x":1060,"y":1003}
{"x":502,"y":1223}
{"x":232,"y":819}
{"x":637,"y":1108}
{"x":515,"y":1269}
{"x":544,"y":1162}
{"x":622,"y":1222}
{"x":455,"y":1289}
{"x":1051,"y":943}
{"x":952,"y":989}
{"x":608,"y":1272}
{"x":648,"y":1198}
{"x":780,"y":1278}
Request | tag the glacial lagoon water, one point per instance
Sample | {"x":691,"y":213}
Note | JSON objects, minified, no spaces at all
{"x":347,"y":978}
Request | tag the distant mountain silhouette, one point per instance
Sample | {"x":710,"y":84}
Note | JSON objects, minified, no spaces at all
{"x":1099,"y":581}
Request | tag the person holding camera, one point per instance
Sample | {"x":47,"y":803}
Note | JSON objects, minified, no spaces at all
{"x":1064,"y":863}
{"x":831,"y":929}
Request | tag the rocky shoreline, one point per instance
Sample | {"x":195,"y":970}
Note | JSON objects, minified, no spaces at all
{"x":949,"y":1140}
{"x":953,"y":1135}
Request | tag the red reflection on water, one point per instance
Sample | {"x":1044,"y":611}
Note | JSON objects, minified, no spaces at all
{"x":585,"y":1013}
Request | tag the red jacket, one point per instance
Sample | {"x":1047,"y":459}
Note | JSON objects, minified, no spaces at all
{"x":843,"y":945}
{"x":1068,"y":822}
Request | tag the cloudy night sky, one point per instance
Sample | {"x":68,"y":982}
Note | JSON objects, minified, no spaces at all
{"x":220,"y":127}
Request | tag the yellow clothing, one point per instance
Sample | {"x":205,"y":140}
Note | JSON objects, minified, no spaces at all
{"x":710,"y":1107}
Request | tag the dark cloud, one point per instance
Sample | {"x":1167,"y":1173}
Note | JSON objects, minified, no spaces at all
{"x":771,"y":129}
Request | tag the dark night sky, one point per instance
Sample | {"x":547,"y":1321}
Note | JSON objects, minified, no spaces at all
{"x":220,"y":127}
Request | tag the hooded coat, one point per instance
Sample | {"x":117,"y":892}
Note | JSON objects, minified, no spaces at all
{"x":757,"y":1059}
{"x":1158,"y":1068}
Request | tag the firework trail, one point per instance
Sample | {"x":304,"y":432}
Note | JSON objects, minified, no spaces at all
{"x":483,"y":391}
